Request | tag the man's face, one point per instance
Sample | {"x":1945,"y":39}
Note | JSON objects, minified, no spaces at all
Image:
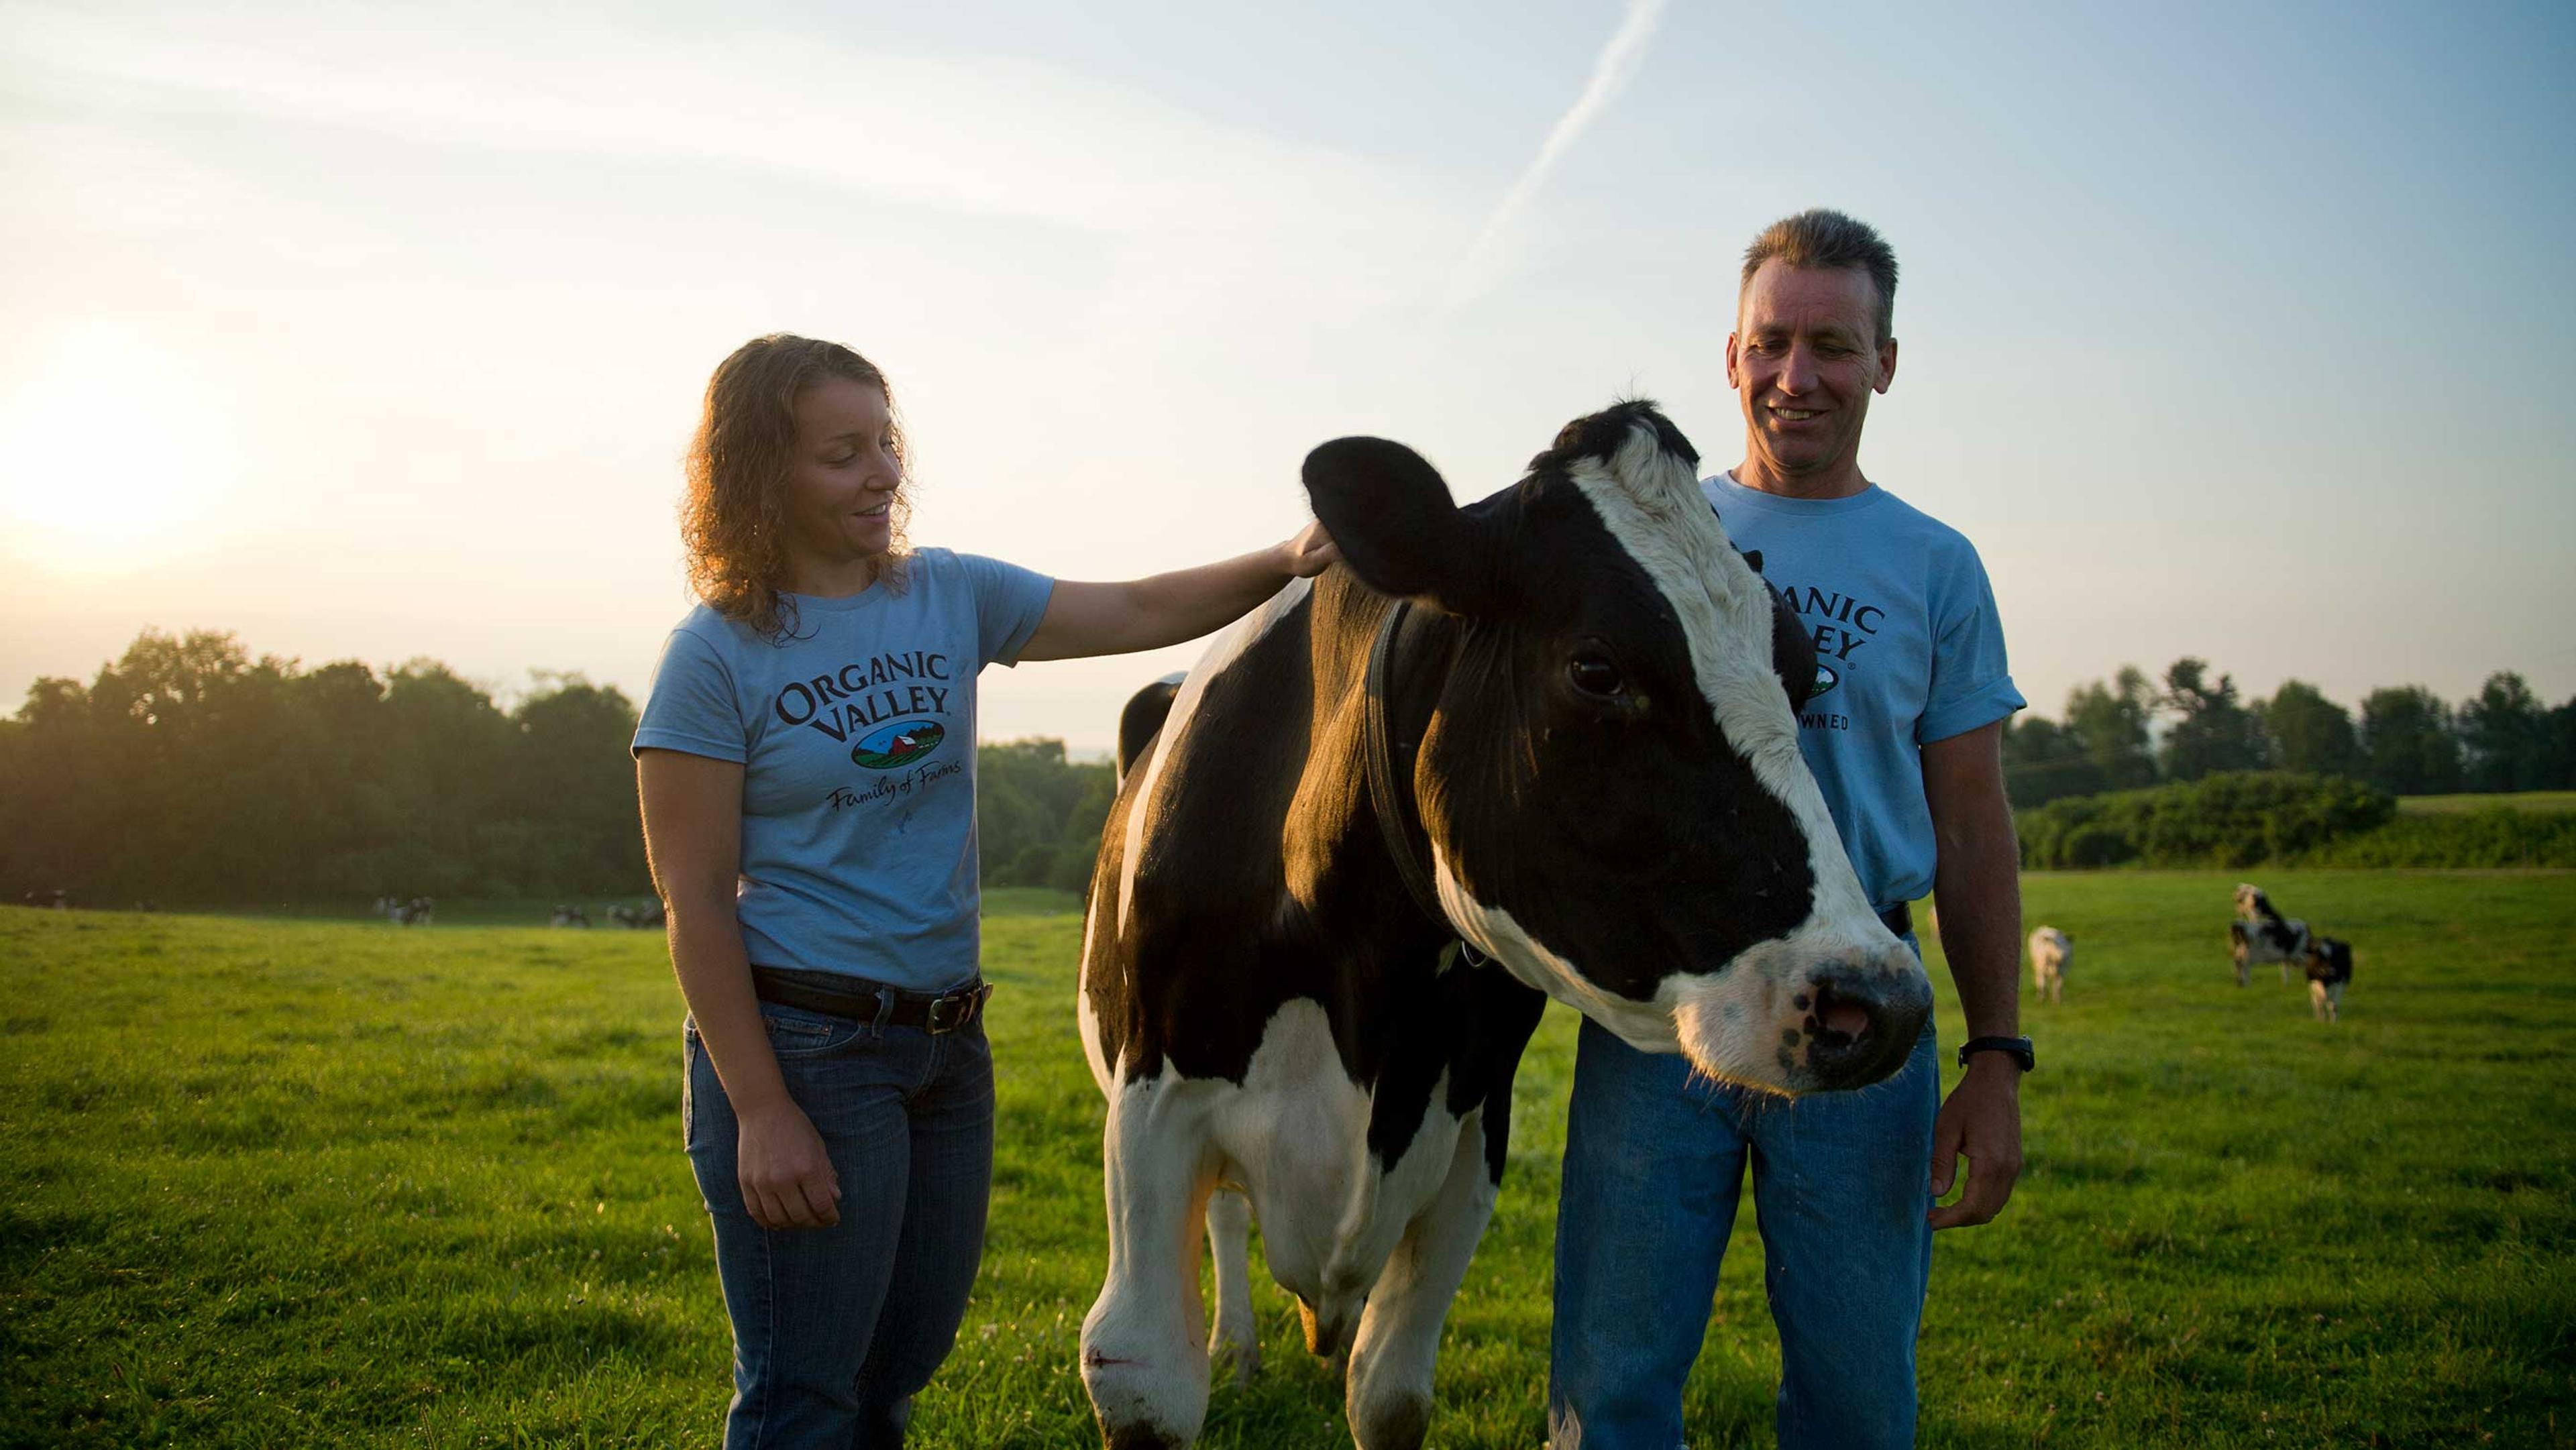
{"x":1805,"y":356}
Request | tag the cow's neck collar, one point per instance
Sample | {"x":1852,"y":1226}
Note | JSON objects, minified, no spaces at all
{"x":1388,"y":801}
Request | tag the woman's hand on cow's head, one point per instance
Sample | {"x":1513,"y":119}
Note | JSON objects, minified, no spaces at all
{"x":1310,"y":553}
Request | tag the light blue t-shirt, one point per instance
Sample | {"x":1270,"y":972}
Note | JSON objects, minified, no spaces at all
{"x":1909,"y":650}
{"x":856,"y":733}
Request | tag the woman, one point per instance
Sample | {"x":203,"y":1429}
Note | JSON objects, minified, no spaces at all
{"x":806,"y":760}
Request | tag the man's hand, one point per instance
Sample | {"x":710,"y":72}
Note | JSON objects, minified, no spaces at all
{"x":1982,"y":1120}
{"x":786,"y":1177}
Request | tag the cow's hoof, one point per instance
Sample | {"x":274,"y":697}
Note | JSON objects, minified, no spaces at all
{"x":1398,"y":1423}
{"x":1138,"y":1437}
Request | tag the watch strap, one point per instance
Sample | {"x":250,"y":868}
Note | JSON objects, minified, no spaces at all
{"x":2018,"y":1048}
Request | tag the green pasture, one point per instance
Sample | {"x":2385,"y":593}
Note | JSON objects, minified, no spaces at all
{"x":2537,"y":802}
{"x":289,"y":1181}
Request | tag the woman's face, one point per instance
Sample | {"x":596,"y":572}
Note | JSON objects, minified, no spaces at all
{"x":841,"y":483}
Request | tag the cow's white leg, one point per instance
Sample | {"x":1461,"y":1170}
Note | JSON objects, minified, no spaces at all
{"x":1388,"y":1389}
{"x":2334,"y":1002}
{"x":1229,"y":1230}
{"x":1144,"y":1344}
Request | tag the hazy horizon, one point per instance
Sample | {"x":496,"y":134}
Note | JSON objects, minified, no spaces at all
{"x":378,"y":336}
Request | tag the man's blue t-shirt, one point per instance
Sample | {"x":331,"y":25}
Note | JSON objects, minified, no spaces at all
{"x":1909,"y":650}
{"x":856,"y":733}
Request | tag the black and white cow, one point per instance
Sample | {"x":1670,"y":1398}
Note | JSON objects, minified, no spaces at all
{"x":402,"y":911}
{"x":2261,"y":933}
{"x":636,"y":918}
{"x":2329,"y":968}
{"x":1584,"y":715}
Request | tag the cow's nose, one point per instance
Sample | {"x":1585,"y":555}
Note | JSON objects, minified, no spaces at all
{"x":1859,"y":1028}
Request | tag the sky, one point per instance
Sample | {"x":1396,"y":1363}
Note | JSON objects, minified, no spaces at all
{"x":377,"y":333}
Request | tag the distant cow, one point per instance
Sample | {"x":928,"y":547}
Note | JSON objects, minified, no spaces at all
{"x":2329,"y":964}
{"x":2051,"y":952}
{"x":2262,"y":934}
{"x":402,"y":911}
{"x":1552,"y":731}
{"x":632,"y":917}
{"x":570,"y":916}
{"x":57,"y":899}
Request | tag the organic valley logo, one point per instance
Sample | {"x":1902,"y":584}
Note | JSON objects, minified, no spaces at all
{"x":1826,"y":679}
{"x":898,"y":744}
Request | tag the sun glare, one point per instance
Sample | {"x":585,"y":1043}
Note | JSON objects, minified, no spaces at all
{"x":113,"y":452}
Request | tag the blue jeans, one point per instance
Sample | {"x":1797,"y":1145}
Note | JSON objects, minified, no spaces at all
{"x":835,"y":1329}
{"x":1654,"y":1166}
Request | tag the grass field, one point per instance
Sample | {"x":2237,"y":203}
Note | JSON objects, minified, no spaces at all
{"x":279,"y":1181}
{"x":2539,"y":802}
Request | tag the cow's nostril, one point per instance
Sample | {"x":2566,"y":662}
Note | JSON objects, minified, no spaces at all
{"x":1846,"y":1017}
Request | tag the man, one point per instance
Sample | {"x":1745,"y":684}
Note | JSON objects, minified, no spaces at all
{"x":1904,"y":734}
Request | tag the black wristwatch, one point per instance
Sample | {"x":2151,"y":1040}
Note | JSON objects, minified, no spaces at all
{"x":2018,"y":1048}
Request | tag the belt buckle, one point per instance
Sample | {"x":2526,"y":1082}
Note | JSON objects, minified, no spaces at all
{"x":940,"y":1020}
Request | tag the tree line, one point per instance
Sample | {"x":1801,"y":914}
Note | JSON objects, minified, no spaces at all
{"x":189,"y":772}
{"x":2405,"y":740}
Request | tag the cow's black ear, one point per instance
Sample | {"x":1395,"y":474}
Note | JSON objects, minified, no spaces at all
{"x":1392,"y":518}
{"x":1754,"y":558}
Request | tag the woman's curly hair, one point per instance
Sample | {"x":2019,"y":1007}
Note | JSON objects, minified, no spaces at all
{"x":733,"y":515}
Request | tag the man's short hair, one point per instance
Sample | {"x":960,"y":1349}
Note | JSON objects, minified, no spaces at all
{"x":1820,"y":240}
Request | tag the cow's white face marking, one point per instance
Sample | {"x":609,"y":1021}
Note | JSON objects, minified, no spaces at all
{"x":1652,"y":505}
{"x":1086,"y":1018}
{"x":1221,"y":652}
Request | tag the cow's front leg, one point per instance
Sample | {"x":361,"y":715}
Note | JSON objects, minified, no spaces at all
{"x":1389,"y":1386}
{"x":1144,"y":1344}
{"x":1229,"y":1230}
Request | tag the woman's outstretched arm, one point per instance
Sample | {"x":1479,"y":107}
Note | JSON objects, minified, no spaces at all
{"x":1109,"y":619}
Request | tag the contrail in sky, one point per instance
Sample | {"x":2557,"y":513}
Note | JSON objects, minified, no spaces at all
{"x":1611,"y":71}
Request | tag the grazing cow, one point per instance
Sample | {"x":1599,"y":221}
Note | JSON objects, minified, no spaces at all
{"x":634,"y":918}
{"x":1552,"y":730}
{"x":2329,"y":962}
{"x":57,"y":899}
{"x":2051,"y":953}
{"x":570,"y":916}
{"x":2262,"y":934}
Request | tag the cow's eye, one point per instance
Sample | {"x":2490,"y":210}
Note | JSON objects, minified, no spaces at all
{"x":1595,"y":675}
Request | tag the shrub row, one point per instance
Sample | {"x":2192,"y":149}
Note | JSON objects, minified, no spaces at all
{"x":2248,"y":818}
{"x":2497,"y":836}
{"x":2237,"y":818}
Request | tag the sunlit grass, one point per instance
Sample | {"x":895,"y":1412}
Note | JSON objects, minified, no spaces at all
{"x":279,"y":1182}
